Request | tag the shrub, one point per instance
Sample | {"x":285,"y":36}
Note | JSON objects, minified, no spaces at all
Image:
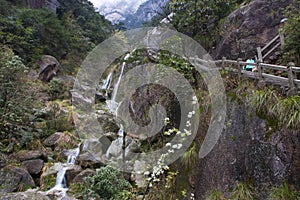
{"x":215,"y":195}
{"x":241,"y":191}
{"x":107,"y":183}
{"x":284,"y":193}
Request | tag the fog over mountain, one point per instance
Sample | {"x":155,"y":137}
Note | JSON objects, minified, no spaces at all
{"x":133,"y":13}
{"x":117,"y":10}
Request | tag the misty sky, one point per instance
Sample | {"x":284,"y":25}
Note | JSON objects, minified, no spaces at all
{"x":115,"y":10}
{"x":98,"y":3}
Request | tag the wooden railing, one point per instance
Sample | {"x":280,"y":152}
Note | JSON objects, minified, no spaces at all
{"x":285,"y":76}
{"x":276,"y":42}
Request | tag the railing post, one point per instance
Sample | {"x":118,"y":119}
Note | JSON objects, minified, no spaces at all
{"x":259,"y":54}
{"x":239,"y":68}
{"x":223,"y":62}
{"x":261,"y":82}
{"x":291,"y":78}
{"x":281,"y":38}
{"x":259,"y":69}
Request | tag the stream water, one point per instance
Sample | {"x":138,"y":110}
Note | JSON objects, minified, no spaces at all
{"x":61,"y":187}
{"x":107,"y":83}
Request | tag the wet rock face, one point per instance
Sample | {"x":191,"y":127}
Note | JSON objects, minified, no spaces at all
{"x":245,"y":154}
{"x":249,"y":27}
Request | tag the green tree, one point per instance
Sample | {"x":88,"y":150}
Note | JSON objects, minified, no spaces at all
{"x":291,"y":30}
{"x":200,"y":18}
{"x":32,"y":33}
{"x":16,"y":102}
{"x":94,"y":26}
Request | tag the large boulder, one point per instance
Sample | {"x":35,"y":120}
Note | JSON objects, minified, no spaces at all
{"x":59,"y":140}
{"x":29,"y":155}
{"x":115,"y":150}
{"x":14,"y":178}
{"x":33,"y":166}
{"x":49,"y":67}
{"x":31,"y":194}
{"x":92,"y":152}
{"x":79,"y":178}
{"x":252,"y":25}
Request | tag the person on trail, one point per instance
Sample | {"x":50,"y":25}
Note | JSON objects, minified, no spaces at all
{"x":249,"y":67}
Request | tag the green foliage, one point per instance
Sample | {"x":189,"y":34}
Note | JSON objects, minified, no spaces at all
{"x":199,"y":18}
{"x":57,"y":89}
{"x":189,"y":156}
{"x":291,"y":30}
{"x":284,"y":193}
{"x":241,"y":191}
{"x":215,"y":195}
{"x":281,"y":111}
{"x":58,"y":117}
{"x":15,"y":97}
{"x":125,"y":195}
{"x":32,"y":33}
{"x":262,"y":99}
{"x":67,"y":36}
{"x":107,"y":184}
{"x":82,"y":12}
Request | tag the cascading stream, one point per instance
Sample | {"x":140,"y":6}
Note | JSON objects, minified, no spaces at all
{"x":115,"y":92}
{"x":61,"y":187}
{"x":106,"y":83}
{"x":112,"y":104}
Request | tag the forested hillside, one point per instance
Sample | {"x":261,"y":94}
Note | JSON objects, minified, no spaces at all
{"x":50,"y":150}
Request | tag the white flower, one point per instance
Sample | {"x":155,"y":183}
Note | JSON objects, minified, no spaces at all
{"x":188,"y":124}
{"x":166,"y":167}
{"x":182,"y":134}
{"x":177,"y":146}
{"x":194,"y":98}
{"x":168,"y":144}
{"x":171,"y":150}
{"x":167,"y":120}
{"x":146,"y":173}
{"x":188,"y":133}
{"x":167,"y":133}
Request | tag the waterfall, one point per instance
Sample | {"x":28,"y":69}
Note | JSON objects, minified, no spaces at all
{"x":121,"y":131}
{"x":112,"y":104}
{"x":61,"y":187}
{"x":115,"y":92}
{"x":107,"y":82}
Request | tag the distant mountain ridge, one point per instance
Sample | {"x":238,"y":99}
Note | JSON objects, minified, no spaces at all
{"x":126,"y":12}
{"x":145,"y":13}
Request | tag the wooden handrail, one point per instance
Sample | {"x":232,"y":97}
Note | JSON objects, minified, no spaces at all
{"x":279,"y":37}
{"x":273,"y":40}
{"x":291,"y":81}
